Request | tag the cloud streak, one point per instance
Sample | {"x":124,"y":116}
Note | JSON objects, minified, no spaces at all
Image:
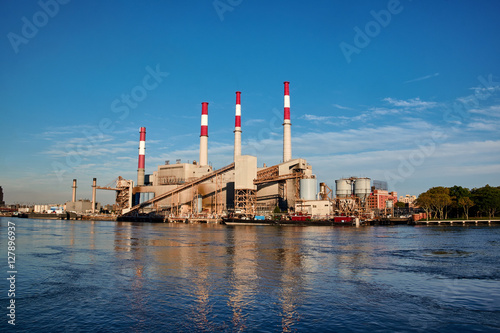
{"x":422,"y":78}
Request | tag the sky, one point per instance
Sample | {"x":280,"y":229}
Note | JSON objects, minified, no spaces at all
{"x":406,"y":92}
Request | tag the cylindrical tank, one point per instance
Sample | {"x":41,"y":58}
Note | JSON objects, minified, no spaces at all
{"x":199,"y":204}
{"x":308,"y":188}
{"x":362,"y":188}
{"x":343,"y":188}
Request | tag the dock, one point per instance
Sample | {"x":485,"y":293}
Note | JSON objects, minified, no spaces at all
{"x":457,"y":222}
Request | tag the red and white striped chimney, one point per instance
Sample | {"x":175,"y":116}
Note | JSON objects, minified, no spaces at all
{"x":204,"y":134}
{"x":287,"y":126}
{"x":237,"y":126}
{"x":142,"y":157}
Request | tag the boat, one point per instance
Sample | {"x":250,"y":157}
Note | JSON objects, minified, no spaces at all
{"x":256,"y":220}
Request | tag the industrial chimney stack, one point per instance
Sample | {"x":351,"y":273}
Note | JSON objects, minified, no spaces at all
{"x":142,"y":159}
{"x":287,"y":130}
{"x":204,"y":134}
{"x":94,"y":184}
{"x":74,"y":191}
{"x":237,"y":127}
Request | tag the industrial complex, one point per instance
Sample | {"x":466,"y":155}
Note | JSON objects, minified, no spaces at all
{"x":240,"y":190}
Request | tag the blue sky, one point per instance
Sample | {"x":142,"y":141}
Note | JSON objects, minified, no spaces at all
{"x":403,"y":91}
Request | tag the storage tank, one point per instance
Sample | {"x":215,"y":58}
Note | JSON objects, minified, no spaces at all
{"x":362,"y":188}
{"x":199,"y":204}
{"x":308,"y":189}
{"x":343,"y":188}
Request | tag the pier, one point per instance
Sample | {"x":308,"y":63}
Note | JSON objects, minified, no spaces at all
{"x":457,"y":222}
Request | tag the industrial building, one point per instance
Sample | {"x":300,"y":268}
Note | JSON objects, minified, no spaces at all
{"x":241,"y":189}
{"x":2,"y":203}
{"x":83,"y":206}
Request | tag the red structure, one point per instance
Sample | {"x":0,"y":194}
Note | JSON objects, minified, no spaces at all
{"x":204,"y":134}
{"x":142,"y":157}
{"x":287,"y":130}
{"x":378,"y":199}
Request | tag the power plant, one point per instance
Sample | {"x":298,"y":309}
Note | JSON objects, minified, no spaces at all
{"x":240,"y":190}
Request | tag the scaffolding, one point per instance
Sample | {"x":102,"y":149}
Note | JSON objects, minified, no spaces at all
{"x":245,"y":202}
{"x":123,"y":188}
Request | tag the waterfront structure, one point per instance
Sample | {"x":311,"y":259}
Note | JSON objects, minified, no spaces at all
{"x":194,"y":189}
{"x":380,"y":199}
{"x":81,"y":207}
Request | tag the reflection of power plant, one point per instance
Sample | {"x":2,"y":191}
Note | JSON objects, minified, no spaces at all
{"x":197,"y":191}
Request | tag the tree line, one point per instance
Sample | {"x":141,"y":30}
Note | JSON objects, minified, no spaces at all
{"x":460,"y":202}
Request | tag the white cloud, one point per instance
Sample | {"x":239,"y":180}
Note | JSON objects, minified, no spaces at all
{"x":414,"y":103}
{"x":338,"y":106}
{"x":312,"y":117}
{"x":251,"y":122}
{"x":493,"y":111}
{"x":483,"y":125}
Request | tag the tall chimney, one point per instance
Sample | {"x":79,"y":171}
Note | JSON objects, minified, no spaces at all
{"x":287,"y":126}
{"x":94,"y":184}
{"x":142,"y":159}
{"x":74,"y":191}
{"x":237,"y":127}
{"x":204,"y":134}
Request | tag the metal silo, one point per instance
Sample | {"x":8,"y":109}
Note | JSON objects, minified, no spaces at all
{"x":362,"y":188}
{"x":308,"y":188}
{"x":343,"y":188}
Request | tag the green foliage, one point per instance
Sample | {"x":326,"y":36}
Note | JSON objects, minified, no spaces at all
{"x":276,"y":210}
{"x":466,"y":203}
{"x":487,"y":199}
{"x":440,"y":200}
{"x":424,"y":201}
{"x":400,"y":204}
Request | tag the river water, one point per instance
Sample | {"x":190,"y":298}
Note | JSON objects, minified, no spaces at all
{"x":81,"y":276}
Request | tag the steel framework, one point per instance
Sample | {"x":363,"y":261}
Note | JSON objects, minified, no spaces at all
{"x":245,"y":202}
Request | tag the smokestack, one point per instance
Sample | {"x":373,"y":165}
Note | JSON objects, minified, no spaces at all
{"x":237,"y":127}
{"x":94,"y":184}
{"x":142,"y":159}
{"x":204,"y":134}
{"x":74,"y":191}
{"x":287,"y":126}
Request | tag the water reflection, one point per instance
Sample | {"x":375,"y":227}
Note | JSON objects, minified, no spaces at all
{"x":169,"y":277}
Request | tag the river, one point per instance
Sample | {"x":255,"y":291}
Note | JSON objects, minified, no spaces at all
{"x":82,"y":276}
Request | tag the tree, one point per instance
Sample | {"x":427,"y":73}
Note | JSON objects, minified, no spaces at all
{"x":466,"y":203}
{"x":487,"y":199}
{"x":457,"y":193}
{"x":424,"y":201}
{"x":440,"y":197}
{"x":400,"y":204}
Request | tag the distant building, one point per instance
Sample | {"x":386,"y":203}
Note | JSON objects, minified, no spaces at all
{"x":315,"y":208}
{"x":408,"y":199}
{"x":378,"y":199}
{"x":2,"y":203}
{"x":48,"y":208}
{"x":81,"y":206}
{"x":379,"y":185}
